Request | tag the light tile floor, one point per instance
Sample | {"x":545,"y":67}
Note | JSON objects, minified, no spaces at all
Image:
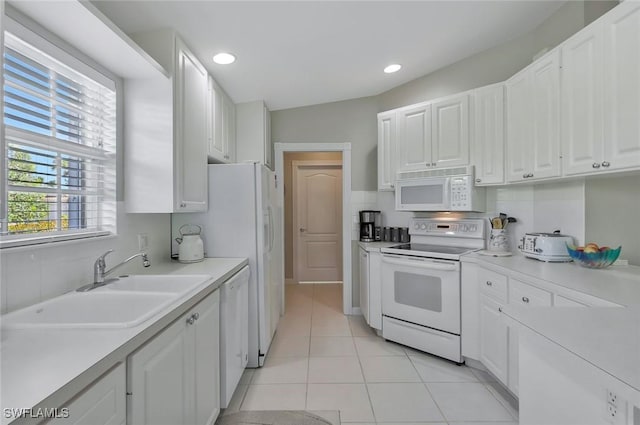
{"x":323,"y":361}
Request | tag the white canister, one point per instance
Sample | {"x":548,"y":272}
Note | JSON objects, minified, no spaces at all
{"x":498,"y":241}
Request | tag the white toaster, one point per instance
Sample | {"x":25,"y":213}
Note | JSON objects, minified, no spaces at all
{"x":550,"y":247}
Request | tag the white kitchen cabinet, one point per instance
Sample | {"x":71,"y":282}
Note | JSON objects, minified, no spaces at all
{"x":234,"y":333}
{"x":414,"y":137}
{"x":102,"y":403}
{"x":253,"y":133}
{"x":488,"y":134}
{"x":533,"y":102}
{"x":387,"y":150}
{"x":221,"y":125}
{"x":166,"y":131}
{"x":494,"y":337}
{"x":371,"y":287}
{"x":450,"y":131}
{"x":174,"y":378}
{"x":600,"y":91}
{"x":622,"y":86}
{"x":363,"y":263}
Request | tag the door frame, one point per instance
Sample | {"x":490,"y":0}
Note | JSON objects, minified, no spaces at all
{"x":345,"y":148}
{"x":295,"y":164}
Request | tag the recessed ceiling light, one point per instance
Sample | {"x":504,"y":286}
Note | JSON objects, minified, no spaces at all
{"x":224,"y":58}
{"x":392,"y":68}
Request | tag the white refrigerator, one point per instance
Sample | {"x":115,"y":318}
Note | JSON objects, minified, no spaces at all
{"x":242,"y":221}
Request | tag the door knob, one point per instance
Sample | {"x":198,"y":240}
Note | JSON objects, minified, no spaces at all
{"x":605,"y":164}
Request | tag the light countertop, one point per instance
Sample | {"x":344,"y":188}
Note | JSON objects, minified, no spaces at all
{"x":618,"y":284}
{"x":608,"y":338}
{"x":46,"y":367}
{"x":375,"y":246}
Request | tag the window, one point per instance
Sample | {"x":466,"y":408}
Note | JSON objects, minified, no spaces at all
{"x":59,"y":145}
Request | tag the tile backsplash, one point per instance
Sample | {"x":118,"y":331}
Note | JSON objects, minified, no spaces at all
{"x":33,"y":274}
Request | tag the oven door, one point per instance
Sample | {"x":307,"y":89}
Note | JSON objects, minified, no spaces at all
{"x":423,"y":291}
{"x":427,"y":194}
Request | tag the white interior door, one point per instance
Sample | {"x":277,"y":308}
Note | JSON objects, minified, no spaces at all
{"x":318,"y":221}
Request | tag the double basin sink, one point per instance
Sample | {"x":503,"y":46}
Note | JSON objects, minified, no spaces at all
{"x":123,"y":303}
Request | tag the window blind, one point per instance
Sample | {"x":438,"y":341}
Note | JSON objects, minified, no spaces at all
{"x":59,"y":147}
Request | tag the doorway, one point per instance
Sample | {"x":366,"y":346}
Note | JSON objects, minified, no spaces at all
{"x":315,"y":195}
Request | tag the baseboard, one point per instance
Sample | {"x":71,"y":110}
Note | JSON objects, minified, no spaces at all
{"x":356,"y":311}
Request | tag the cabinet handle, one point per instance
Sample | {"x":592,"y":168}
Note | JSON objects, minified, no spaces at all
{"x":489,"y":283}
{"x":196,"y":316}
{"x":595,"y":165}
{"x":605,"y":164}
{"x":190,"y":320}
{"x":525,"y":299}
{"x":524,"y":176}
{"x":478,"y":180}
{"x":433,"y":164}
{"x":183,"y":204}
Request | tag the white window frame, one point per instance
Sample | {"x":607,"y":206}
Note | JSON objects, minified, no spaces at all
{"x":107,"y":228}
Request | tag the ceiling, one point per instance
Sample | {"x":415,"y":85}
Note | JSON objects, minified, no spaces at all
{"x":296,"y":53}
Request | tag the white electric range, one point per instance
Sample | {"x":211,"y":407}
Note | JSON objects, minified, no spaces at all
{"x":421,"y":284}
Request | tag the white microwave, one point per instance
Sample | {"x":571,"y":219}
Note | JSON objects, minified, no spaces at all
{"x":446,"y":189}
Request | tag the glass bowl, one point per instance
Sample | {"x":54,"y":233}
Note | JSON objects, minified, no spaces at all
{"x":594,"y":260}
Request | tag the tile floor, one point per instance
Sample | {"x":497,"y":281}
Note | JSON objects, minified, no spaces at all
{"x":324,"y":362}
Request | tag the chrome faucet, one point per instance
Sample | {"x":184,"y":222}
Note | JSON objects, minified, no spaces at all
{"x":100,"y":269}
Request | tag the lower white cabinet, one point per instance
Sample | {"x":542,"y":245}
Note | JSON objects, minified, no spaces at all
{"x":363,"y":262}
{"x":174,"y":378}
{"x":102,"y":403}
{"x":494,"y":337}
{"x":371,"y":288}
{"x":234,"y":333}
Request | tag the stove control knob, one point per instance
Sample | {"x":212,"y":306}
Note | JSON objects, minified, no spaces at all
{"x":423,"y":226}
{"x":416,"y":226}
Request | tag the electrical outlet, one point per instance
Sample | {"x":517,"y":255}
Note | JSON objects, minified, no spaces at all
{"x":143,"y":241}
{"x":612,"y":412}
{"x":612,"y":397}
{"x":616,"y":409}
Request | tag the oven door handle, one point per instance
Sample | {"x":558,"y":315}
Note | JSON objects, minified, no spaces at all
{"x":423,"y":264}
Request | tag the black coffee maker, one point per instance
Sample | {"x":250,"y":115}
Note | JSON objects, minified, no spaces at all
{"x":370,"y":230}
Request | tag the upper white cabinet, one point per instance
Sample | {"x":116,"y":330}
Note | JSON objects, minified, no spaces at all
{"x":387,"y":152}
{"x":450,"y":131}
{"x":533,"y":102}
{"x":174,"y":378}
{"x":601,"y":94}
{"x":488,"y":134}
{"x":253,"y":133}
{"x":166,"y":131}
{"x":221,"y":125}
{"x":414,"y":137}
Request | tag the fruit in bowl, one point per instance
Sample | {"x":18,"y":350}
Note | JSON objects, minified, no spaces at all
{"x":593,"y":256}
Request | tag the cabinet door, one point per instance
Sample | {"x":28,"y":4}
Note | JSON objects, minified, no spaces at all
{"x":214,"y":122}
{"x":414,"y":137}
{"x":191,"y":126}
{"x":206,"y":351}
{"x":518,"y":127}
{"x":102,"y":403}
{"x":582,"y":122}
{"x":450,"y":132}
{"x":160,"y":378}
{"x":622,"y":86}
{"x":375,"y":290}
{"x":364,"y":284}
{"x":450,"y":136}
{"x":386,"y":150}
{"x":545,"y":97}
{"x":488,"y":134}
{"x":493,"y":338}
